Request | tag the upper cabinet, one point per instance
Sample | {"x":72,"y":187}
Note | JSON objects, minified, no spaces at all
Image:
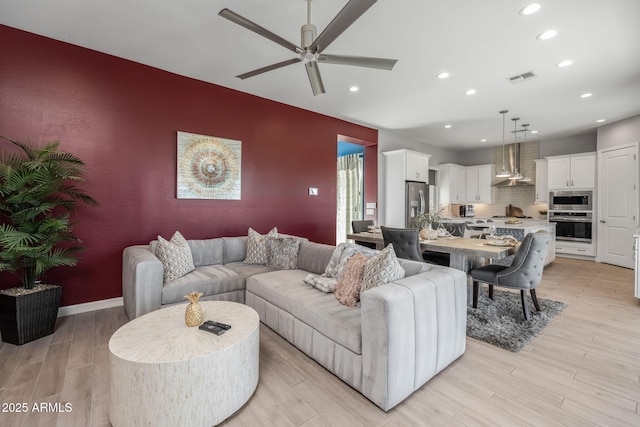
{"x":479,"y":184}
{"x":452,"y":182}
{"x":575,"y":171}
{"x":542,"y":181}
{"x":416,"y":166}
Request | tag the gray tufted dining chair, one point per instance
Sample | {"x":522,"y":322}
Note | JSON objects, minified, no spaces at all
{"x":405,"y":241}
{"x":524,"y":273}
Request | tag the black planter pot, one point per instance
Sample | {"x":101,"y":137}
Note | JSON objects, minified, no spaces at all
{"x":28,"y":317}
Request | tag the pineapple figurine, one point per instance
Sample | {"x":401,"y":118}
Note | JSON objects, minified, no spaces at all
{"x":194,"y":315}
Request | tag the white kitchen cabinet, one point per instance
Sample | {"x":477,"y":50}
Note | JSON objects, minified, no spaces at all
{"x":542,"y":181}
{"x":576,"y":171}
{"x":401,"y":166}
{"x":478,"y":184}
{"x":417,"y":166}
{"x":575,"y":248}
{"x":452,"y":182}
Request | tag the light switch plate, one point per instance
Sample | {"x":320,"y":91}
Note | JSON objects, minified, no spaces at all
{"x":313,"y":191}
{"x":371,"y":205}
{"x":371,"y":211}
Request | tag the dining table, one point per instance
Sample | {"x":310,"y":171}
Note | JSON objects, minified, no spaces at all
{"x":465,"y":253}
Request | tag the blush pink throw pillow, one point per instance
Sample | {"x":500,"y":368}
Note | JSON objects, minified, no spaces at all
{"x":348,"y":286}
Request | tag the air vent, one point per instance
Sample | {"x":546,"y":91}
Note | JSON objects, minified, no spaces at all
{"x":522,"y":77}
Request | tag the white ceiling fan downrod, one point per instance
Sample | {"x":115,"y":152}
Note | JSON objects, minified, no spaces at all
{"x":308,"y":34}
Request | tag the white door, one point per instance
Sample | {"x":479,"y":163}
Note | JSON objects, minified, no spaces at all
{"x":618,"y":204}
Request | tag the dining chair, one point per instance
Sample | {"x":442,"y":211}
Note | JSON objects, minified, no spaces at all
{"x":362,"y":226}
{"x":524,"y":273}
{"x":405,"y":241}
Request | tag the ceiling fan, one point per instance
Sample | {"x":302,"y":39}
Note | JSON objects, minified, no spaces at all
{"x":311,"y":47}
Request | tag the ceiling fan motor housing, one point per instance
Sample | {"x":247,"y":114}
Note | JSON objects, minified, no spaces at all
{"x":308,"y":34}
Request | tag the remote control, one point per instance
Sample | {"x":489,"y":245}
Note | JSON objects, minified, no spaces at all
{"x":212,"y":328}
{"x":220,"y":325}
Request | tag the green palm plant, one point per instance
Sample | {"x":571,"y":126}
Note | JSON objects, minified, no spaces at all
{"x":38,"y":191}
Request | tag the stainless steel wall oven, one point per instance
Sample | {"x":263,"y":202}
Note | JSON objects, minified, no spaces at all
{"x":574,"y":226}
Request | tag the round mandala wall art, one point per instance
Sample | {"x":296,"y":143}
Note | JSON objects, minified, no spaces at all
{"x":208,"y":167}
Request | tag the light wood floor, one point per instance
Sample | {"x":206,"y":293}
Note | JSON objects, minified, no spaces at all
{"x":583,"y":371}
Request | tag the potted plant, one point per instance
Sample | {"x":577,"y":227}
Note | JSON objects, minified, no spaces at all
{"x":38,"y":191}
{"x":428,"y":223}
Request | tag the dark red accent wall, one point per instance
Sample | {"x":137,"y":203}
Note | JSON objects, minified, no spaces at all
{"x":121,"y":118}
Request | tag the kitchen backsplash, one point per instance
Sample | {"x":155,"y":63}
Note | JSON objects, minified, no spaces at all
{"x":520,"y":196}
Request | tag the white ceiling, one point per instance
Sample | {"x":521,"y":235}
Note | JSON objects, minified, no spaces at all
{"x":480,"y":43}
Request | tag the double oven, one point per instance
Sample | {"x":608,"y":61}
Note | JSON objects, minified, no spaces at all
{"x":572,"y":212}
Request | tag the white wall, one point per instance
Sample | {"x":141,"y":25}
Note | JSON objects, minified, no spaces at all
{"x":618,"y":133}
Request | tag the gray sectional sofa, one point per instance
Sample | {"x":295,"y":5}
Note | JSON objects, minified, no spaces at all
{"x":398,"y":337}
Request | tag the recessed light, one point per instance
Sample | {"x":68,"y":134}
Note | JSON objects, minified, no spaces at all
{"x":447,"y":126}
{"x":586,"y":95}
{"x":443,"y":75}
{"x":549,"y":34}
{"x":601,"y":120}
{"x":483,"y":140}
{"x":534,"y":131}
{"x":470,"y":92}
{"x":530,"y":9}
{"x":565,"y":63}
{"x":354,"y":89}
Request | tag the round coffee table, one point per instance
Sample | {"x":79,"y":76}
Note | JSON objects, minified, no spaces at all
{"x":164,"y":373}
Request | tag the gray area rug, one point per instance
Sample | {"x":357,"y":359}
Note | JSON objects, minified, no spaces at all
{"x":501,"y":322}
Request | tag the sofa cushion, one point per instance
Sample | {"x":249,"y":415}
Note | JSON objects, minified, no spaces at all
{"x":324,"y":284}
{"x":246,"y":270}
{"x":319,"y":310}
{"x":206,"y":252}
{"x":350,"y":281}
{"x":209,"y":279}
{"x":257,"y":246}
{"x":382,"y":268}
{"x":282,"y":252}
{"x":235,"y":249}
{"x":175,"y":255}
{"x":314,"y":257}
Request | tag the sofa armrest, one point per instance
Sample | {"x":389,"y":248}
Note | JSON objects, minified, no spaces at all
{"x":411,"y":330}
{"x":142,"y":281}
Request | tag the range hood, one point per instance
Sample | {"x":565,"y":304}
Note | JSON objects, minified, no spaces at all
{"x":514,"y":164}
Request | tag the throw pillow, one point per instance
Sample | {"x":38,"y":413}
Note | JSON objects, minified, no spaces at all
{"x":348,"y":286}
{"x":341,"y":255}
{"x":282,"y":252}
{"x":324,"y":284}
{"x":175,"y":256}
{"x":257,"y":246}
{"x":382,"y":268}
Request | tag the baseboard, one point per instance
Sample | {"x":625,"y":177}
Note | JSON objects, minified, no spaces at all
{"x":89,"y":306}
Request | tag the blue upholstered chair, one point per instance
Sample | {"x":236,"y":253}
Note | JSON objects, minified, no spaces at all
{"x":524,"y":273}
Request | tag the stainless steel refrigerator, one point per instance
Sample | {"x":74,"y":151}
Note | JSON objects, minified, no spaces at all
{"x":416,"y":201}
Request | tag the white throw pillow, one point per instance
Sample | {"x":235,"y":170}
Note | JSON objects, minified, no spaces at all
{"x":257,"y":246}
{"x":382,"y":268}
{"x":175,"y":256}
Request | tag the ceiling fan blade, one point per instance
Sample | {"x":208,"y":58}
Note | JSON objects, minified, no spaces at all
{"x":343,"y":20}
{"x":268,"y":68}
{"x":252,"y":26}
{"x":314,"y":77}
{"x":359,"y":61}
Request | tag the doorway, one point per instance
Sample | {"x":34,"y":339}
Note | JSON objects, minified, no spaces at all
{"x":618,"y":204}
{"x":349,"y":188}
{"x":356,"y":183}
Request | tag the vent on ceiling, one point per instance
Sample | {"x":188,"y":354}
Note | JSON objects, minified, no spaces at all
{"x":522,"y":77}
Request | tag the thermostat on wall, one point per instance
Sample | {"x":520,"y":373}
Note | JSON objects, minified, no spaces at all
{"x":313,"y":191}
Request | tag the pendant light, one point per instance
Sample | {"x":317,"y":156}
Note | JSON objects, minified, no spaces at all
{"x":526,"y":177}
{"x":504,"y":173}
{"x":515,"y":174}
